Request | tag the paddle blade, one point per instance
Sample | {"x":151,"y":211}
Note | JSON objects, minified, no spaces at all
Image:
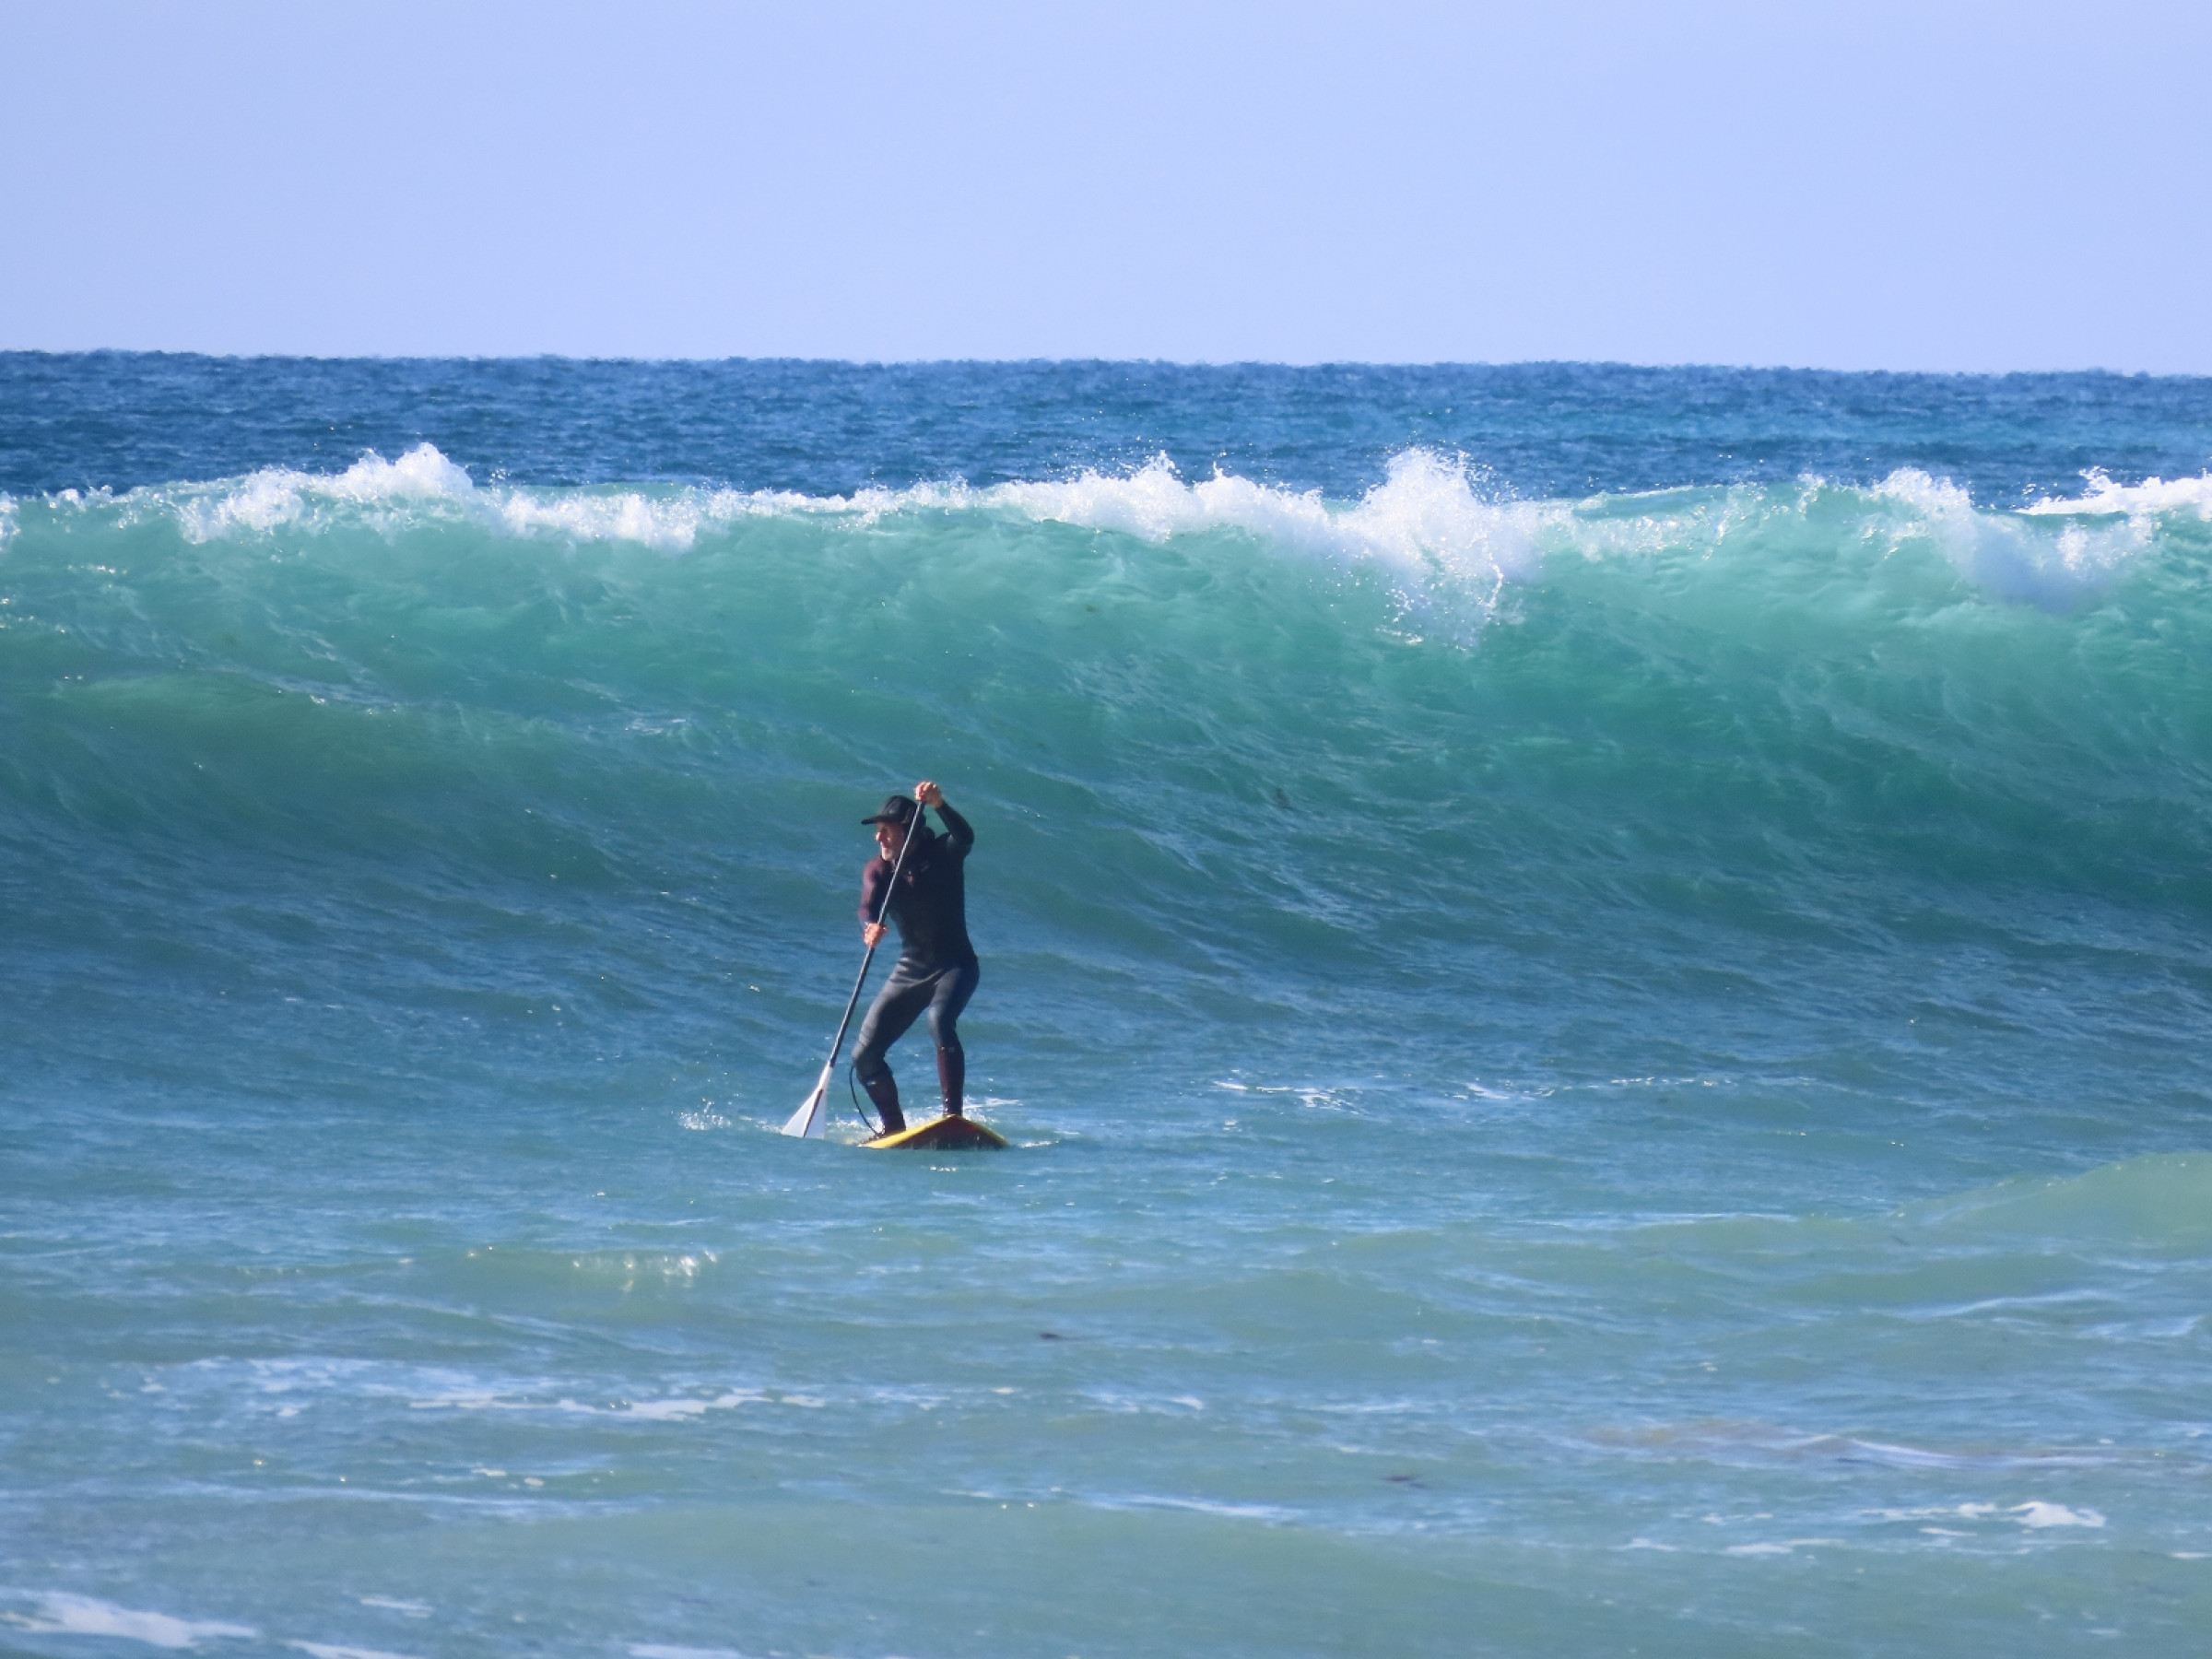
{"x":813,"y":1116}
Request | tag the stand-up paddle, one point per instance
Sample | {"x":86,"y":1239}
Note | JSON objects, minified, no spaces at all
{"x":811,"y":1121}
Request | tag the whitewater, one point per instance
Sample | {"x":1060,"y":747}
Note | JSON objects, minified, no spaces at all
{"x":1597,"y":977}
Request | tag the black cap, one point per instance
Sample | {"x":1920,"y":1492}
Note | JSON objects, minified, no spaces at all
{"x":897,"y":809}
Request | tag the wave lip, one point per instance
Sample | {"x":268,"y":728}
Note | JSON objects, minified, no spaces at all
{"x":1424,"y":518}
{"x":2016,"y":554}
{"x":1425,"y":513}
{"x":1430,"y":528}
{"x":275,"y":495}
{"x":2153,"y":496}
{"x":1425,"y":524}
{"x":423,"y":482}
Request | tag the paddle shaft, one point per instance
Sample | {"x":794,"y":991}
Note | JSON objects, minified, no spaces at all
{"x":883,"y":910}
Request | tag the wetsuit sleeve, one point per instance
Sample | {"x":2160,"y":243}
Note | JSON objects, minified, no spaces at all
{"x":874,"y":878}
{"x":957,"y":835}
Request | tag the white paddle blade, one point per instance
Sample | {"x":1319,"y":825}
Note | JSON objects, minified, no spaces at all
{"x":812,"y":1119}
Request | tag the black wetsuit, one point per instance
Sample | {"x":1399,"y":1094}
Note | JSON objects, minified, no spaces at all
{"x":937,"y":970}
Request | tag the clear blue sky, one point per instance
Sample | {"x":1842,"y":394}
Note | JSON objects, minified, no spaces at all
{"x":1861,"y":186}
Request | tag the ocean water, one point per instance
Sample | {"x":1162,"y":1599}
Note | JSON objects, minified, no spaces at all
{"x":1600,"y":979}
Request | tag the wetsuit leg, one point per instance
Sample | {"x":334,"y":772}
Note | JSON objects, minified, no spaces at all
{"x":896,"y":1008}
{"x":948,"y":997}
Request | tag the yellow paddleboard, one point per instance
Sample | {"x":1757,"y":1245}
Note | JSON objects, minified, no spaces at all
{"x":940,"y":1135}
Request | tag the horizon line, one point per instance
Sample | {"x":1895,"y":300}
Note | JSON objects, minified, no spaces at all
{"x":1134,"y":362}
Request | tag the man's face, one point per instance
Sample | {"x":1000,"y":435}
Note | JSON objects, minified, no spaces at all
{"x":890,"y":838}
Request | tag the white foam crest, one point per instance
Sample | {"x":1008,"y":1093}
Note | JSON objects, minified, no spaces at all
{"x":1428,"y":528}
{"x":1155,"y":504}
{"x":2017,"y":555}
{"x":275,"y":496}
{"x":667,"y":1411}
{"x":679,"y":1408}
{"x":668,"y":524}
{"x":2035,"y":1514}
{"x":420,"y":475}
{"x":671,"y":523}
{"x":323,"y":1650}
{"x":2152,"y":498}
{"x":1424,"y":525}
{"x":8,"y":520}
{"x":63,"y":1613}
{"x":392,"y":494}
{"x":1424,"y":521}
{"x":2039,"y":1516}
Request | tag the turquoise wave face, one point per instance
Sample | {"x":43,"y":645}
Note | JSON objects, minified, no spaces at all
{"x":1612,"y":1072}
{"x":1548,"y":790}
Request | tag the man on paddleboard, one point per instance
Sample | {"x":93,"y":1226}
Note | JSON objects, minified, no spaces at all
{"x":937,"y":970}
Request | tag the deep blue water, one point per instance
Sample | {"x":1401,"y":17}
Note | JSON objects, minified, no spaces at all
{"x":1598,"y":977}
{"x":1547,"y":429}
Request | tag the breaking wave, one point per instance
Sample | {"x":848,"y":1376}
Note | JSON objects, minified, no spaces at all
{"x":1431,"y":522}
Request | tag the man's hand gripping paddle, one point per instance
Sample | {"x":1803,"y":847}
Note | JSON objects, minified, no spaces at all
{"x":811,"y":1121}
